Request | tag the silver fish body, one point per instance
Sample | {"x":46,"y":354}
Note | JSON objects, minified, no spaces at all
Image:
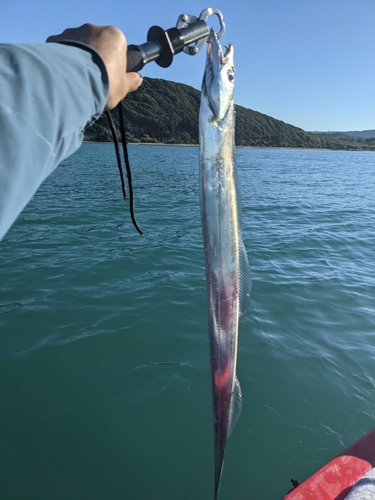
{"x":227,"y":268}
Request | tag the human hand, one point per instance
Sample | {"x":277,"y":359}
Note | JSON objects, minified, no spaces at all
{"x":110,"y":43}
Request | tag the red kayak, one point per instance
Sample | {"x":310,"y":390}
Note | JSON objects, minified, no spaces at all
{"x":335,"y":479}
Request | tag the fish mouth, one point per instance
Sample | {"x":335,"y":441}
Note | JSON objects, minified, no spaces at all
{"x":215,"y":49}
{"x":225,"y":56}
{"x":218,"y":78}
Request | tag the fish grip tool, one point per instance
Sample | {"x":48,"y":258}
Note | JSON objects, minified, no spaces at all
{"x":189,"y":36}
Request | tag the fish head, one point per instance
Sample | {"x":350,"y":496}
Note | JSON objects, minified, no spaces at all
{"x":218,"y":81}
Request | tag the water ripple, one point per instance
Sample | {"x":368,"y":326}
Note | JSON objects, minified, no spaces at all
{"x":104,"y":332}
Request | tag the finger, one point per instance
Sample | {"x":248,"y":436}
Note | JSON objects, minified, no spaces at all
{"x":66,"y":34}
{"x":84,"y":31}
{"x":133,"y":81}
{"x":53,"y":38}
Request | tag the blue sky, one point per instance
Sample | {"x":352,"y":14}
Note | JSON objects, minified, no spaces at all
{"x":310,"y":63}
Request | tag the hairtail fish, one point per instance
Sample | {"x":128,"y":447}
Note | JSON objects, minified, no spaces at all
{"x":227,"y":268}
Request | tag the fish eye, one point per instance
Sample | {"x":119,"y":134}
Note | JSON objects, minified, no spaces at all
{"x":231,"y":75}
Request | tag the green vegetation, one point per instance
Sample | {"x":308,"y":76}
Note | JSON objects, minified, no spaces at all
{"x":167,"y":112}
{"x":366,"y":134}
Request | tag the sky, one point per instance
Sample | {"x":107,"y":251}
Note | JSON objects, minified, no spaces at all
{"x":310,"y":63}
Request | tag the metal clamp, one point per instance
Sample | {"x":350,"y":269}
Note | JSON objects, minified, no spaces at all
{"x":185,"y":20}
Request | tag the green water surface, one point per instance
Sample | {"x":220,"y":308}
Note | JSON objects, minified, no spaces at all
{"x":105,"y":377}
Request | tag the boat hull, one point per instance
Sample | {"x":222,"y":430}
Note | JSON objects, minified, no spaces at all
{"x":335,"y":479}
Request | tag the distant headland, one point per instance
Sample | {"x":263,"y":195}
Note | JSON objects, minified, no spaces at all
{"x":166,"y":112}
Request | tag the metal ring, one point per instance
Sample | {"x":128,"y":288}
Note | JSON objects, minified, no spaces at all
{"x":209,"y":12}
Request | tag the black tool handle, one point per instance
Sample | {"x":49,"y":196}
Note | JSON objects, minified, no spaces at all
{"x":134,"y":59}
{"x":161,"y":46}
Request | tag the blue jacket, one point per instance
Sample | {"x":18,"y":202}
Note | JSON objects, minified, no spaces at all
{"x":49,"y":93}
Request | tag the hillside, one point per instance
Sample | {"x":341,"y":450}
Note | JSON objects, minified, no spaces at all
{"x":366,"y":134}
{"x":167,"y":112}
{"x":361,"y":141}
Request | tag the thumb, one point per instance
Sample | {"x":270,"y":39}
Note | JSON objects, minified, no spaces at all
{"x":132,"y":82}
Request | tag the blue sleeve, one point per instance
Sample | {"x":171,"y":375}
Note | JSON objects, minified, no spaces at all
{"x":49,"y":93}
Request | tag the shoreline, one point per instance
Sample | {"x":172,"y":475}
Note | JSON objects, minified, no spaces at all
{"x":237,"y":147}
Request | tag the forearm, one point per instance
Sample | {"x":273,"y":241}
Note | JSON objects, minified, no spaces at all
{"x":48,"y":94}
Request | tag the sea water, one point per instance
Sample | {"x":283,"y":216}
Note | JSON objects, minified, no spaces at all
{"x":105,"y":388}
